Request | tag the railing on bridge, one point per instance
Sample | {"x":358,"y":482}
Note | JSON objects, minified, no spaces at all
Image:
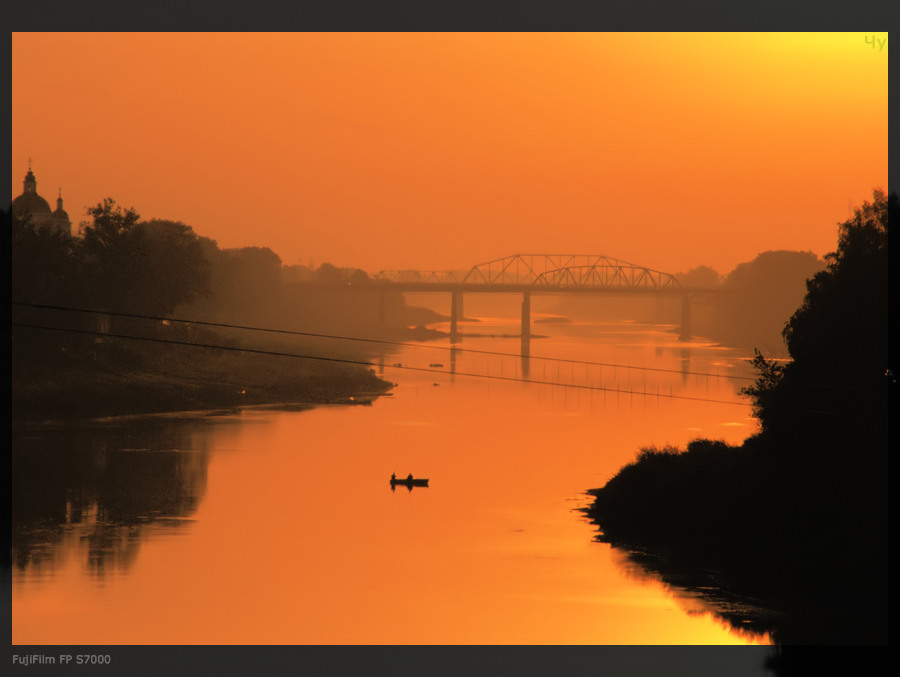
{"x":425,"y":276}
{"x":621,"y":277}
{"x":535,"y":273}
{"x":547,"y":271}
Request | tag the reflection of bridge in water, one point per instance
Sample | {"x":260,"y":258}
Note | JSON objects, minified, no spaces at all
{"x":530,"y":274}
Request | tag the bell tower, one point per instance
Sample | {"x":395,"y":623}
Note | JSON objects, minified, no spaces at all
{"x":30,"y":182}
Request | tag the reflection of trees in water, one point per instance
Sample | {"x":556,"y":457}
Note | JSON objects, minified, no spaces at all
{"x":698,"y":592}
{"x":798,"y":648}
{"x":96,"y":489}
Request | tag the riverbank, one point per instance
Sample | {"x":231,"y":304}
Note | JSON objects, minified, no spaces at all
{"x":799,"y":553}
{"x":69,"y":384}
{"x":796,"y":516}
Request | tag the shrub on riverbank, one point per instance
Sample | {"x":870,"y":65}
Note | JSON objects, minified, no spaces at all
{"x":797,"y":515}
{"x":664,"y":490}
{"x":808,"y":545}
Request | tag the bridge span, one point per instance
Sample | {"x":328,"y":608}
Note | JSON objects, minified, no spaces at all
{"x":529,"y":274}
{"x":545,"y":271}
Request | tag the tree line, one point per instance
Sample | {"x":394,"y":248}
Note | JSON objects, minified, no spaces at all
{"x":109,"y":361}
{"x":795,"y":518}
{"x":758,"y":296}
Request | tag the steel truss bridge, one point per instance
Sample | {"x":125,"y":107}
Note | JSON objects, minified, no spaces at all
{"x":544,"y":273}
{"x":529,"y":274}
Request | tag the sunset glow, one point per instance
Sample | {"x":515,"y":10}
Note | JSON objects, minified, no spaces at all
{"x":610,"y":389}
{"x":438,"y":151}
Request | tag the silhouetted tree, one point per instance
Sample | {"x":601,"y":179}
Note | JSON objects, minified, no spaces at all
{"x":245,"y":284}
{"x":760,"y":296}
{"x":45,"y":264}
{"x":144,"y":267}
{"x":109,"y":224}
{"x":796,"y":517}
{"x":358,"y":276}
{"x":296,"y":273}
{"x":329,"y":273}
{"x":834,"y":389}
{"x":703,"y":277}
{"x":173,"y":268}
{"x":109,"y":248}
{"x":854,"y":288}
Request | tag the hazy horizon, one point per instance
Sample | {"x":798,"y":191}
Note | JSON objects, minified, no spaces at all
{"x":439,"y":151}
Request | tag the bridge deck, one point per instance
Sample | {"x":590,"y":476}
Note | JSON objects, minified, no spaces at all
{"x":489,"y":287}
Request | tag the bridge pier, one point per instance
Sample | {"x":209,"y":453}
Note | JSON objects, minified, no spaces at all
{"x":526,"y":366}
{"x":455,"y":315}
{"x":526,"y":324}
{"x":686,"y":330}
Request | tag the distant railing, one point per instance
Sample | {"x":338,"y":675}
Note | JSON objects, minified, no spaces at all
{"x":424,"y":276}
{"x":607,"y":277}
{"x":546,"y":271}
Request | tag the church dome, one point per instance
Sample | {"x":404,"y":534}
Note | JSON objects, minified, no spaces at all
{"x":32,"y":207}
{"x":59,"y":213}
{"x":31,"y":203}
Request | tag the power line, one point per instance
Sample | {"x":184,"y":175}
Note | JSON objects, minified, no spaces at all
{"x":406,"y":344}
{"x":274,"y":353}
{"x":403,"y":344}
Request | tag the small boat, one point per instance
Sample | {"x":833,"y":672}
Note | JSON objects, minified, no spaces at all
{"x":409,"y":482}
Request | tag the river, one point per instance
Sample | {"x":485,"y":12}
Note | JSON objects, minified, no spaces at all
{"x":275,"y":526}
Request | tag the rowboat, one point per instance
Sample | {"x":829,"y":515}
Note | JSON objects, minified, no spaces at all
{"x":409,"y":482}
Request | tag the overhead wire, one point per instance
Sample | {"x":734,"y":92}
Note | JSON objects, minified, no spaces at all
{"x":403,"y":344}
{"x":408,"y":344}
{"x":258,"y":351}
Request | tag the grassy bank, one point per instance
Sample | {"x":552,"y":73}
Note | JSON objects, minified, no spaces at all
{"x":63,"y":379}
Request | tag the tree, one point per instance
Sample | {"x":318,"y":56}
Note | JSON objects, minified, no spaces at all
{"x":246,"y":284}
{"x":45,"y":267}
{"x":109,"y":225}
{"x":172,"y":268}
{"x":834,"y":391}
{"x":330,"y":273}
{"x":845,"y":312}
{"x":702,"y":277}
{"x":760,"y":296}
{"x":140,"y":267}
{"x":109,"y":250}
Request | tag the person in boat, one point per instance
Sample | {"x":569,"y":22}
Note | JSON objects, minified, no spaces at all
{"x":409,"y":477}
{"x":393,"y":477}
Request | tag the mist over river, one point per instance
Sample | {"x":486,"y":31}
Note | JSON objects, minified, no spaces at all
{"x":274,"y":526}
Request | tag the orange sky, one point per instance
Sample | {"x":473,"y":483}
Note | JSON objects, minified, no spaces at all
{"x":438,"y":151}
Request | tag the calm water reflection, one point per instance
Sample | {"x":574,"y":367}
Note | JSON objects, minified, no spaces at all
{"x":101,"y":487}
{"x":281,"y":527}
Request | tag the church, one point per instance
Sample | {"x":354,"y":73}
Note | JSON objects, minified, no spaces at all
{"x":31,"y":205}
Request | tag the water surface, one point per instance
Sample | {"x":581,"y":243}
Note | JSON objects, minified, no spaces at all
{"x":280,"y":527}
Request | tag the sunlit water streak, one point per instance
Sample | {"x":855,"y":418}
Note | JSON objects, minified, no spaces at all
{"x":279,"y":527}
